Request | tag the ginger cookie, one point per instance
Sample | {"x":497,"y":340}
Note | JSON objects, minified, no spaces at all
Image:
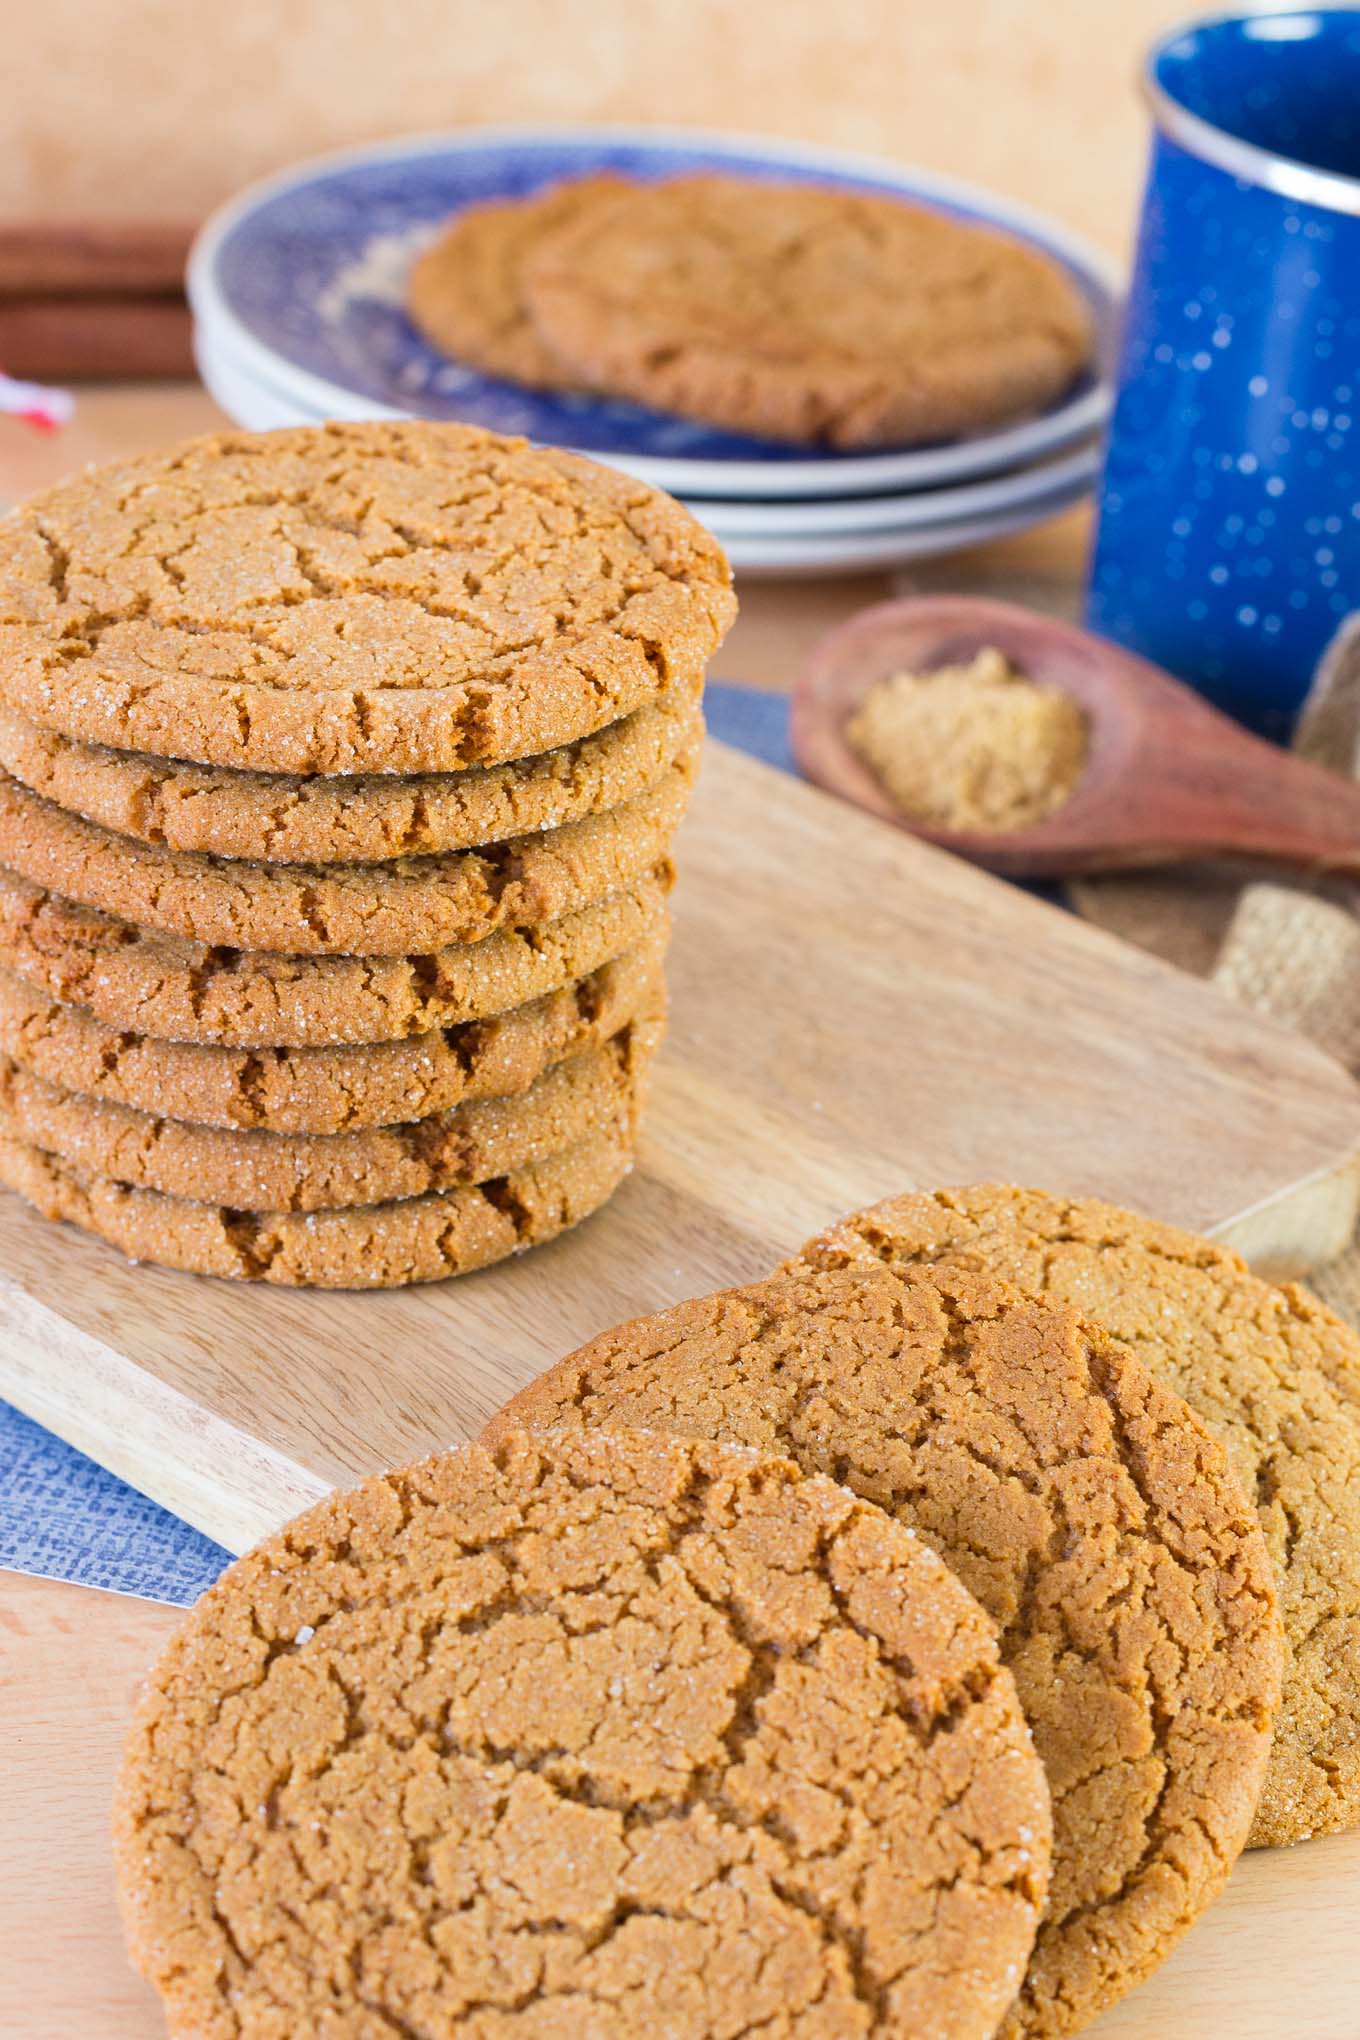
{"x":807,"y":312}
{"x":1272,"y":1373}
{"x":1081,"y":1501}
{"x":392,"y":909}
{"x":277,"y":818}
{"x":401,"y":597}
{"x":264,"y":1171}
{"x":185,"y":991}
{"x":588,"y":1736}
{"x":465,"y":292}
{"x":369,"y":1246}
{"x":328,"y":1090}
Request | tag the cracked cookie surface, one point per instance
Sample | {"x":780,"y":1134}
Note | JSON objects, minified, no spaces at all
{"x":184,"y":991}
{"x":465,"y":293}
{"x":390,"y":909}
{"x":803,"y":312}
{"x":373,"y":1246}
{"x":528,"y":1743}
{"x":352,"y":598}
{"x":327,"y":1090}
{"x":267,"y":1171}
{"x":278,"y":818}
{"x":1081,"y":1501}
{"x":1272,"y":1372}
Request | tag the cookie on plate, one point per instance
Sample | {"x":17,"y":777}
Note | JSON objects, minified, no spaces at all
{"x":1274,"y":1375}
{"x":465,"y":292}
{"x":541,"y":1739}
{"x":807,"y":312}
{"x":384,"y":597}
{"x":1081,"y":1501}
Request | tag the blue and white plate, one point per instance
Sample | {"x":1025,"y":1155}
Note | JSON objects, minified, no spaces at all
{"x":298,"y":286}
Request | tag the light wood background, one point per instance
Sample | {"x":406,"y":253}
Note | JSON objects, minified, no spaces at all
{"x":158,"y":108}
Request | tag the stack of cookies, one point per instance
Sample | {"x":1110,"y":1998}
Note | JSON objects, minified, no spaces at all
{"x":340,"y":773}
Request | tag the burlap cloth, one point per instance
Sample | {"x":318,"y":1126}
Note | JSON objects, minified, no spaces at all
{"x":1288,"y":948}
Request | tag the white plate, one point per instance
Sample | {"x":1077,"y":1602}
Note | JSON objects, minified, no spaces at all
{"x":244,"y":398}
{"x":300,"y":282}
{"x":914,"y":511}
{"x":836,"y":554}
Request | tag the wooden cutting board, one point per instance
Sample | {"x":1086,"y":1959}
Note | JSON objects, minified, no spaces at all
{"x":853,"y":1015}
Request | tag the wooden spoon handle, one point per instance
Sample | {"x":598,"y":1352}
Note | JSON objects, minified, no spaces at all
{"x":1240,"y":795}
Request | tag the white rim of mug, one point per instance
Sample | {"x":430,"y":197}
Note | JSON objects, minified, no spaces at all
{"x":1246,"y":161}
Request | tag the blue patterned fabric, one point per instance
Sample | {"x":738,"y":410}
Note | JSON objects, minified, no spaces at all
{"x":64,"y":1517}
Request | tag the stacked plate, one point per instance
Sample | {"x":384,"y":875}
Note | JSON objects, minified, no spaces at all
{"x":298,"y":294}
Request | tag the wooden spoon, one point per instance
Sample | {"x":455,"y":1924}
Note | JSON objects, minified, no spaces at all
{"x":1167,"y":777}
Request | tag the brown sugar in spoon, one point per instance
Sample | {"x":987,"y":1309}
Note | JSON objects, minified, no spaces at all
{"x":1166,"y":776}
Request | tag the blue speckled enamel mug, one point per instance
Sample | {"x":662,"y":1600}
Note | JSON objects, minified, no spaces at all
{"x":1228,"y":544}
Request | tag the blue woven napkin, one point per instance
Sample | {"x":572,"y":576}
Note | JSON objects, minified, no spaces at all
{"x":64,"y":1517}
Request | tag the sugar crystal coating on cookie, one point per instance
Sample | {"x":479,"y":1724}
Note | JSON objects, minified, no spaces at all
{"x":542,"y":1739}
{"x":327,"y":1090}
{"x":1075,"y":1495}
{"x":365,"y":1246}
{"x":352,"y":598}
{"x":262,"y":1170}
{"x":399,"y":907}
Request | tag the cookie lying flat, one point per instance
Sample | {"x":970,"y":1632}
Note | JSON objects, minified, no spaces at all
{"x":352,"y":598}
{"x":327,"y":1090}
{"x":263,"y":1171}
{"x":465,"y":292}
{"x":392,"y":909}
{"x":1274,"y":1375}
{"x":183,"y":991}
{"x":805,"y":312}
{"x":372,"y":1246}
{"x":275,"y":818}
{"x":539,"y":1741}
{"x":1076,"y":1496}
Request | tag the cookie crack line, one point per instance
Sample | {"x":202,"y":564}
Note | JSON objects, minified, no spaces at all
{"x":224,"y":997}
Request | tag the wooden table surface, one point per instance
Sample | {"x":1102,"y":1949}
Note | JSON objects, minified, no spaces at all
{"x":70,"y":1658}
